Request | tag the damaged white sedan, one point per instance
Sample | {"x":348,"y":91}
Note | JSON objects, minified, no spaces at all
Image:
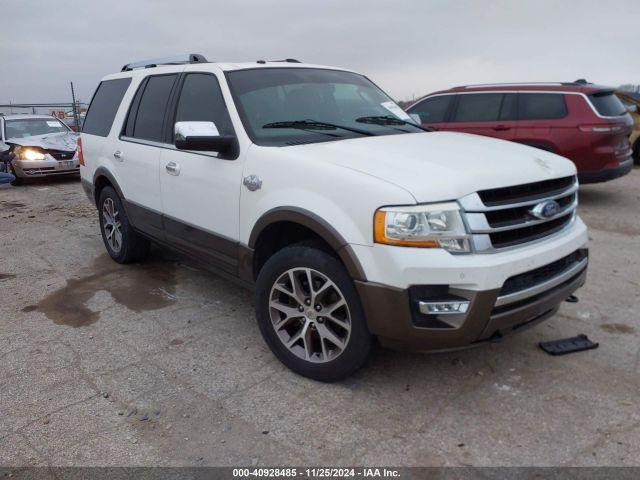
{"x":42,"y":144}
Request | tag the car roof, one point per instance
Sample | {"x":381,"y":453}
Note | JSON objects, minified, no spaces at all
{"x":577,"y":87}
{"x":224,"y":66}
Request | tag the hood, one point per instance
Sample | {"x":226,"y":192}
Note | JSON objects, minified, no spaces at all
{"x":438,"y":166}
{"x":67,"y":141}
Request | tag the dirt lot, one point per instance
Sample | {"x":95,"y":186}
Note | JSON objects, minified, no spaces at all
{"x":162,"y":363}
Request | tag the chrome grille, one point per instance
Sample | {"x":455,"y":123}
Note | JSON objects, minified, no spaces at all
{"x":502,"y":218}
{"x":62,"y":154}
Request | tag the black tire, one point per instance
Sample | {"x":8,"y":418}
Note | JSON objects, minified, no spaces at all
{"x":17,"y":181}
{"x":359,"y":341}
{"x":636,"y":152}
{"x":133,"y":247}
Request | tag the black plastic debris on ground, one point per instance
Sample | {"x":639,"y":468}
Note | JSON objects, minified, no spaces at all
{"x":568,"y":345}
{"x":571,"y":299}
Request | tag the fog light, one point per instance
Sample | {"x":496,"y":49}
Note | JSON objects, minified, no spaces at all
{"x":440,"y":308}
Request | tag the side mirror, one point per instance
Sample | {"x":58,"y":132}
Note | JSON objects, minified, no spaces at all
{"x":416,"y":118}
{"x":632,"y":108}
{"x":201,"y":136}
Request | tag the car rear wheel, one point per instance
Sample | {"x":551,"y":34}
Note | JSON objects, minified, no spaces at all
{"x":310,"y":315}
{"x":636,"y":152}
{"x":123,"y":244}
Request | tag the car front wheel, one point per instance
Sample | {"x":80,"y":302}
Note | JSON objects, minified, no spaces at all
{"x":310,"y":315}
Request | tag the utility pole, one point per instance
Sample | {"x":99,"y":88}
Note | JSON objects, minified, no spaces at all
{"x":75,"y":110}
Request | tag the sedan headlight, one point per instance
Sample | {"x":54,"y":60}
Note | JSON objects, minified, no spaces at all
{"x":24,"y":153}
{"x":428,"y":226}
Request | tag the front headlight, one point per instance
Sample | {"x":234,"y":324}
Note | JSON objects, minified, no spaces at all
{"x":25,"y":153}
{"x":428,"y":226}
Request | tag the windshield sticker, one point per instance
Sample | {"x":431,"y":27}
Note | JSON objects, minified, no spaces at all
{"x":396,"y":110}
{"x":53,"y":123}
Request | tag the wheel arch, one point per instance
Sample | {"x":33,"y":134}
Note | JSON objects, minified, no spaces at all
{"x":295,"y":219}
{"x":102,"y":178}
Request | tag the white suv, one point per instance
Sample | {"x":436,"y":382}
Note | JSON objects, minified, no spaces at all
{"x":352,"y":223}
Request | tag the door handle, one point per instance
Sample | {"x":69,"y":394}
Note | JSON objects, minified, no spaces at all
{"x":118,"y":155}
{"x":500,"y":128}
{"x":172,"y":168}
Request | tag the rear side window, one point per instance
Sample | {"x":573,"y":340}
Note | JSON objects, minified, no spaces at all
{"x":433,"y":109}
{"x":607,"y":104}
{"x":478,"y":107}
{"x":541,"y":106}
{"x":146,"y":117}
{"x":104,"y":106}
{"x":201,"y":101}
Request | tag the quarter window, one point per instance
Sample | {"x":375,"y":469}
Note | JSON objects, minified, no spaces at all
{"x":104,"y":106}
{"x":541,"y":106}
{"x":607,"y":104}
{"x":432,"y":109}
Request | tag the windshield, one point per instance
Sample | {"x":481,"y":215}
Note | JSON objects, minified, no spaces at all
{"x":28,"y":127}
{"x":290,"y":106}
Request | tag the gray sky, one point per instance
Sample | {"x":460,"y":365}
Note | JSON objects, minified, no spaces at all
{"x":408,"y":47}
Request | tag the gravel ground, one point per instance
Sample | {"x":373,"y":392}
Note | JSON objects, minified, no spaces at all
{"x":162,"y":363}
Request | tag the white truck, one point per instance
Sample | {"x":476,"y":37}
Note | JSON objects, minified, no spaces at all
{"x":352,"y":223}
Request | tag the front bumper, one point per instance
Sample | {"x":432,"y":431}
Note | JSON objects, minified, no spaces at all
{"x":393,"y":314}
{"x":506,"y":291}
{"x":606,"y":174}
{"x":44,"y":168}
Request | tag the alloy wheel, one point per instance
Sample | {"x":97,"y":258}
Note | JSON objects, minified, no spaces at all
{"x":310,"y":315}
{"x":111,"y":225}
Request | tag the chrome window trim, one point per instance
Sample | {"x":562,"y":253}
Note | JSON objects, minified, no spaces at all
{"x":166,"y":146}
{"x":557,"y":92}
{"x":544,"y":286}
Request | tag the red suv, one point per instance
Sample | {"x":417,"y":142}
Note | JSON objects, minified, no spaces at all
{"x":581,"y":121}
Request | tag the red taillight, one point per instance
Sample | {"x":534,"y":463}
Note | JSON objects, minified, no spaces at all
{"x":80,"y":156}
{"x":602,"y":128}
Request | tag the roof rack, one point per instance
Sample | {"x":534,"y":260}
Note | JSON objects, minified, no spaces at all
{"x":174,"y":60}
{"x":580,"y":81}
{"x":287,"y":60}
{"x":540,"y":84}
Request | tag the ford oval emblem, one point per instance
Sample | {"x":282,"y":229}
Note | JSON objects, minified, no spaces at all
{"x":546,"y":209}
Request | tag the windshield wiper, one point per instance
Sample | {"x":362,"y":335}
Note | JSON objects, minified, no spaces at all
{"x":389,"y":120}
{"x":315,"y":125}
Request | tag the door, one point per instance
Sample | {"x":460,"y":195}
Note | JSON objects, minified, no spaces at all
{"x":433,"y":111}
{"x":137,"y":153}
{"x":542,"y":124}
{"x":492,"y":114}
{"x":201,"y":190}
